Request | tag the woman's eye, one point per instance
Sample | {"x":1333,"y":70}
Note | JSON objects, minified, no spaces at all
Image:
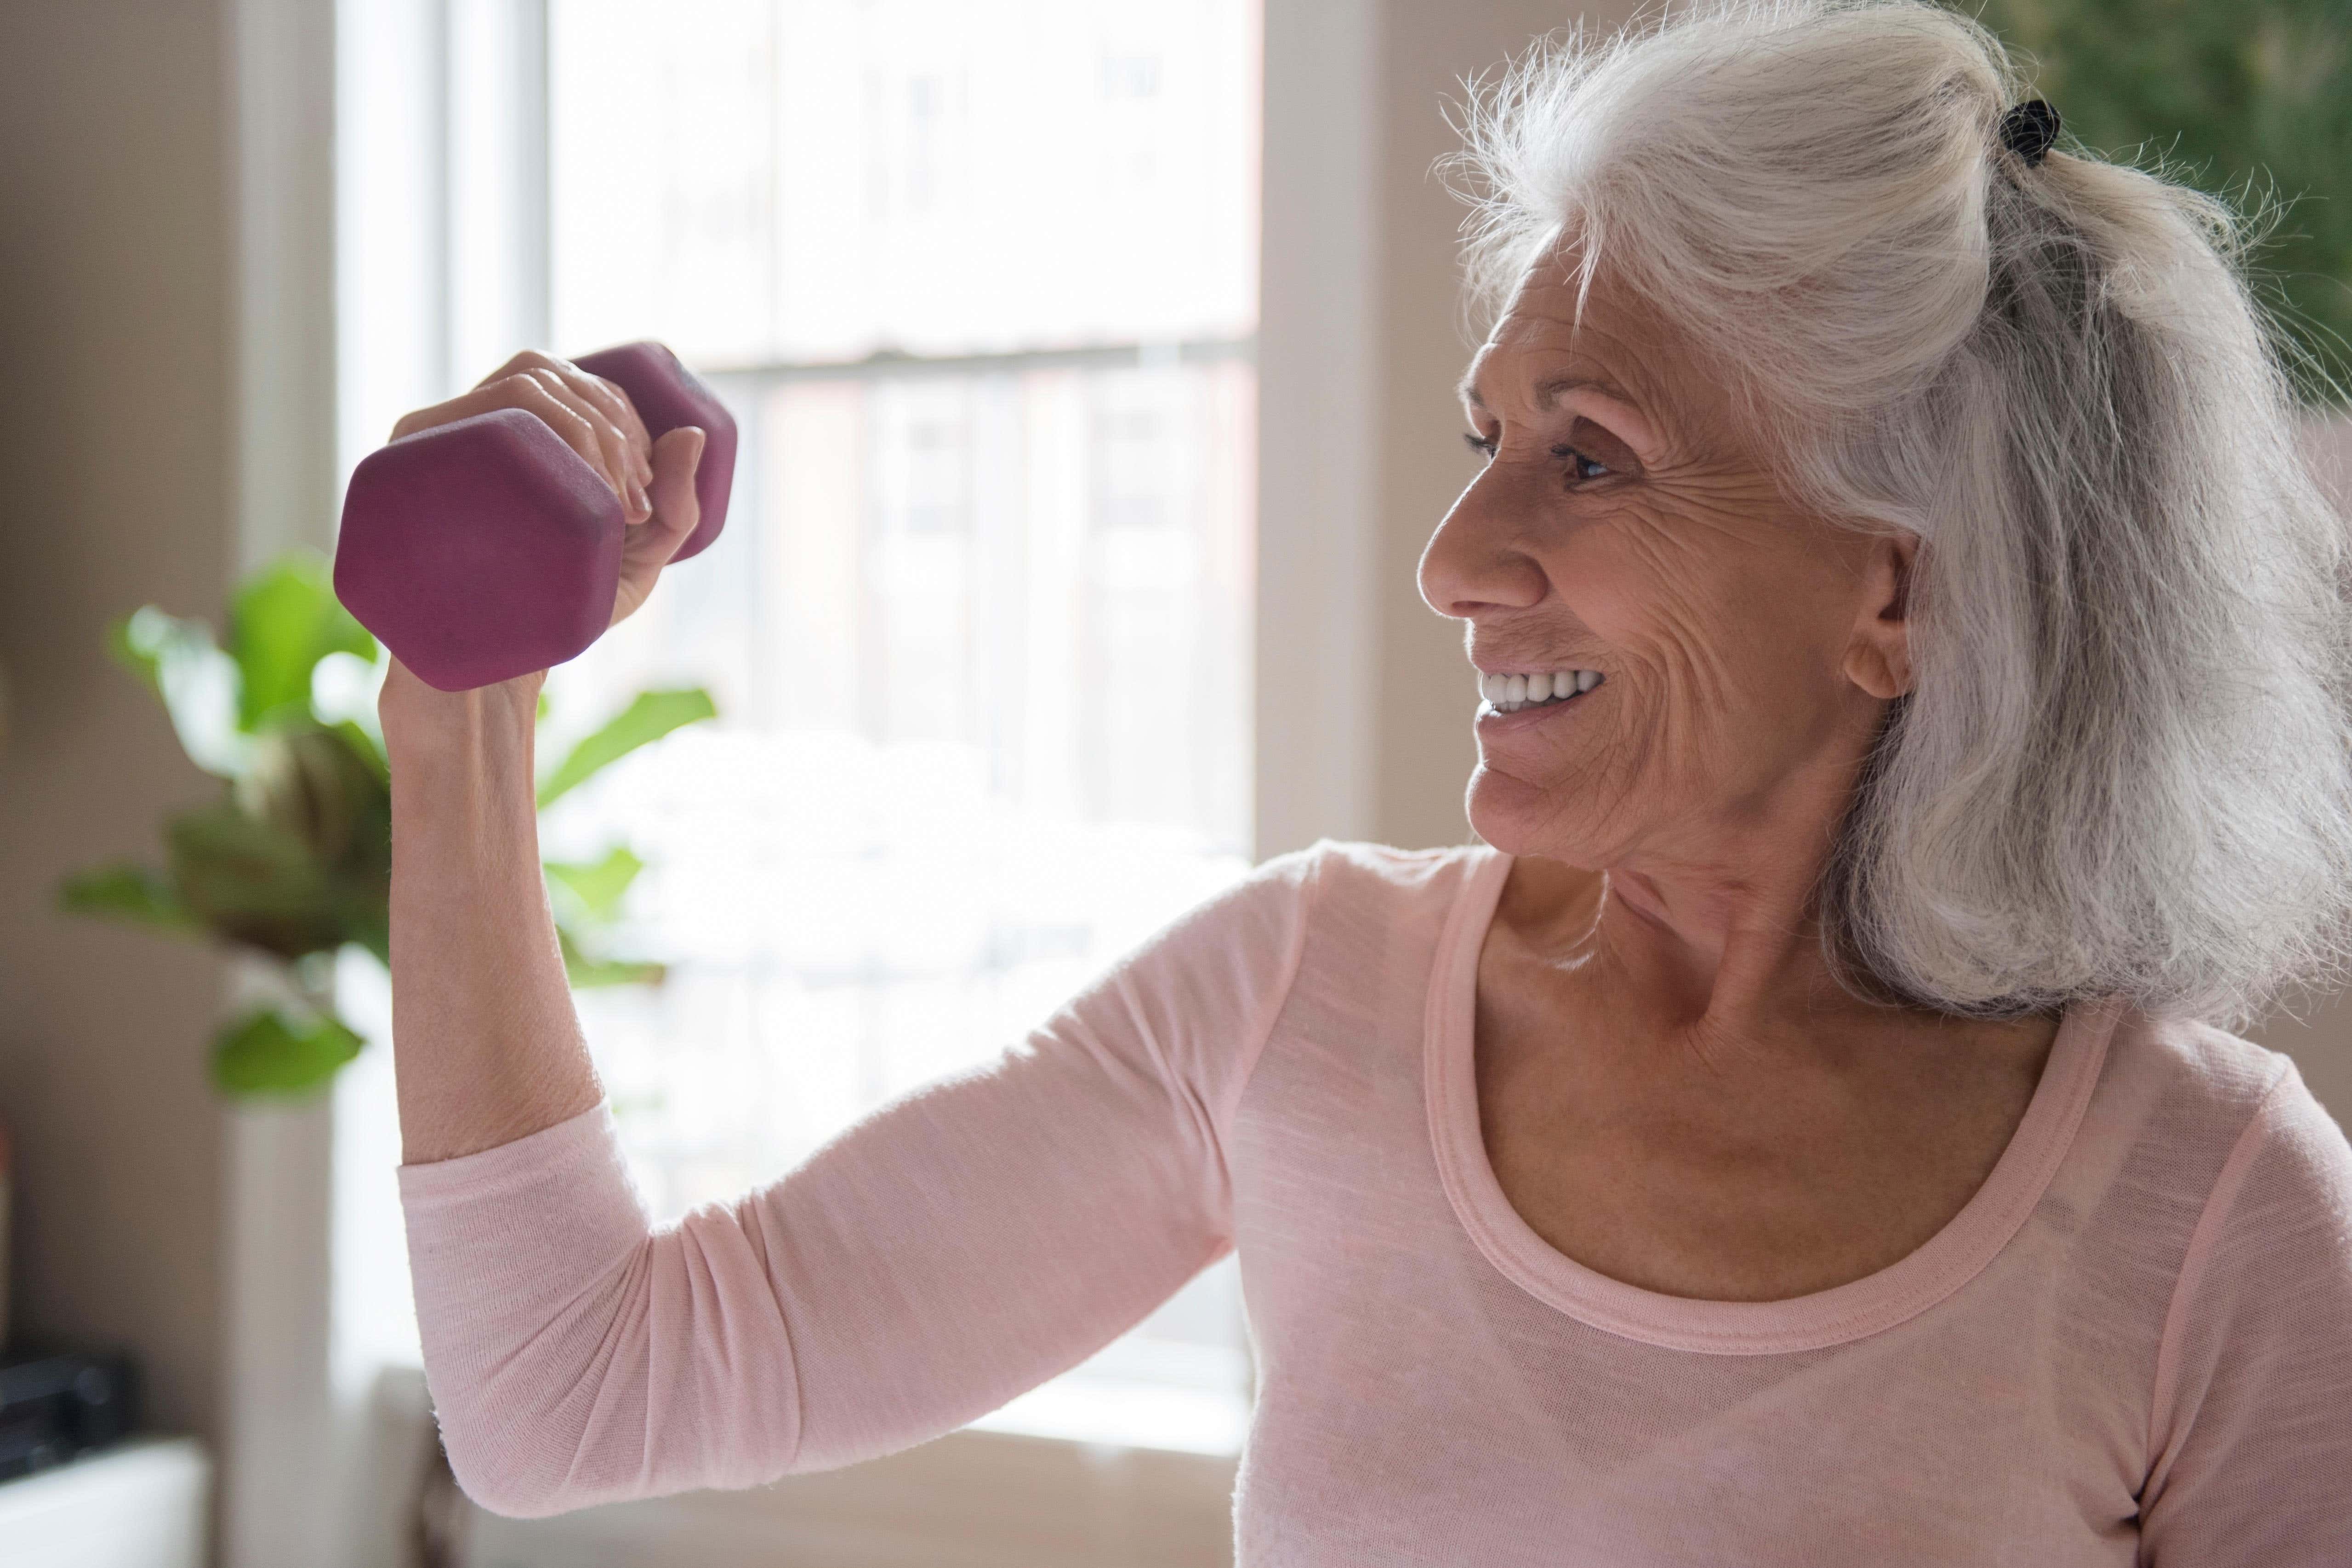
{"x":1579,"y":466}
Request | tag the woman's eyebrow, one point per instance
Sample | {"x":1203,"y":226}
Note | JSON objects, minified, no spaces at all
{"x":1550,"y":390}
{"x":1624,"y":420}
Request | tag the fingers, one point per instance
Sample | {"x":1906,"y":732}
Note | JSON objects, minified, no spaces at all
{"x":646,"y":549}
{"x":563,"y":415}
{"x":608,"y":399}
{"x":620,"y":465}
{"x":677,"y":509}
{"x":624,"y":412}
{"x":580,"y":422}
{"x":609,"y":407}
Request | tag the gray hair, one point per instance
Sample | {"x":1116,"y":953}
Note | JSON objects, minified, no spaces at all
{"x":2126,"y":764}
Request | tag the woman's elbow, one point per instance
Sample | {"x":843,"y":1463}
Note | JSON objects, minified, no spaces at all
{"x":514,"y":1490}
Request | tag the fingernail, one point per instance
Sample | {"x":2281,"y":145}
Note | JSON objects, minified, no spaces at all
{"x":638,"y":502}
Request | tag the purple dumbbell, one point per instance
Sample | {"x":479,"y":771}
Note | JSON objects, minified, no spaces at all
{"x":487,"y":548}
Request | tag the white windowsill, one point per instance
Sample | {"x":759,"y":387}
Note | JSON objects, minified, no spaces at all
{"x":986,"y":1496}
{"x":1123,"y":1413}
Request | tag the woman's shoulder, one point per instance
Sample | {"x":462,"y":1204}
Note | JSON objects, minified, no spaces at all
{"x":1357,"y":871}
{"x":1271,"y":906}
{"x":2248,"y":1179}
{"x":2198,"y":1060}
{"x":2202,"y":1067}
{"x":1352,"y":881}
{"x":2214,"y":1101}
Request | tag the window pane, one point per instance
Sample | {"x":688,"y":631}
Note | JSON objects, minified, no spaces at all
{"x":980,"y":646}
{"x":980,"y":633}
{"x":756,"y":181}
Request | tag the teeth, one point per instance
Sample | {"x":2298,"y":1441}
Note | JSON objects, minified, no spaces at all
{"x":1510,"y":693}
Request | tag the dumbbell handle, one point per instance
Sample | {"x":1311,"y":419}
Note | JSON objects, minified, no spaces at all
{"x":665,"y":395}
{"x":487,"y":548}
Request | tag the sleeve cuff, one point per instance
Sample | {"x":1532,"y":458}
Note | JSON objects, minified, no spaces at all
{"x":552,"y":1203}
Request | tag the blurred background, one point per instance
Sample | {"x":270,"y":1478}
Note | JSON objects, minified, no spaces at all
{"x":1092,"y":360}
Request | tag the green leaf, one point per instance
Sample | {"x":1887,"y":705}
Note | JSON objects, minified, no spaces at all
{"x":585,"y":971}
{"x":284,"y":620}
{"x":345,"y":689}
{"x":652,"y":715}
{"x":597,"y":887}
{"x":196,"y":681}
{"x":325,"y":788}
{"x":368,"y":747}
{"x":2250,"y":102}
{"x":132,"y":894}
{"x":268,"y":1053}
{"x":256,"y":883}
{"x":371,"y":928}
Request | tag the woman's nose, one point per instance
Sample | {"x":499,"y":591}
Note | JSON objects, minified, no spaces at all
{"x":1475,"y":562}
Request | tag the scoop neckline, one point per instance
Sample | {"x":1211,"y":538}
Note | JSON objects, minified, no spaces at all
{"x":1932,"y":1271}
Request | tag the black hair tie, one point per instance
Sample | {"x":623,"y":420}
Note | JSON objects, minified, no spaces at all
{"x":2029,"y":129}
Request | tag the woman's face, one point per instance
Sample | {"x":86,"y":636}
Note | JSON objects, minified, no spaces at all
{"x":1746,"y":651}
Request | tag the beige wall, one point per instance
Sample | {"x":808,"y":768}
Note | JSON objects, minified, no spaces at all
{"x":115,"y":442}
{"x":1423,"y":750}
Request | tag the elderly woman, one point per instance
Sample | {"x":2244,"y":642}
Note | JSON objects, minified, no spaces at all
{"x":1804,"y":1130}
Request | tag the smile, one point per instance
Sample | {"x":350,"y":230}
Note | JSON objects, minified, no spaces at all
{"x":1512,"y":693}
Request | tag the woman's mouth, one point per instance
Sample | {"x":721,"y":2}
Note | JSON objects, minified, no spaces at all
{"x":1519,"y":701}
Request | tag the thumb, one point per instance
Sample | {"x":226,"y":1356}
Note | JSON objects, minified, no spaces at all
{"x":677,"y":455}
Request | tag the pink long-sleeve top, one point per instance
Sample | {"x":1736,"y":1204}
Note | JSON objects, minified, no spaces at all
{"x":2132,"y":1344}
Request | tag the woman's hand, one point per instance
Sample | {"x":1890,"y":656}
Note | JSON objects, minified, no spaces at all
{"x":654,"y":481}
{"x":593,"y":417}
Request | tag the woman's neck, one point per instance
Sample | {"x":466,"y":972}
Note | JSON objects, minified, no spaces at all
{"x":1728,"y":965}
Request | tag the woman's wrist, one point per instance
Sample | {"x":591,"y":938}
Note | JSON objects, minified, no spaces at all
{"x":429,"y":731}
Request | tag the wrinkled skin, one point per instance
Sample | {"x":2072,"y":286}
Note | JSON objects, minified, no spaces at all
{"x":1747,"y":650}
{"x":1671,"y":1089}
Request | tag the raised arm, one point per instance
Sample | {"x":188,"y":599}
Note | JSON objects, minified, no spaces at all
{"x":953,"y":1250}
{"x":485,"y":1041}
{"x":957,"y":1248}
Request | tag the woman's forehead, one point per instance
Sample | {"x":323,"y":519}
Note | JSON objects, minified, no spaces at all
{"x":1538,"y":361}
{"x":1555,"y":335}
{"x":1617,"y":361}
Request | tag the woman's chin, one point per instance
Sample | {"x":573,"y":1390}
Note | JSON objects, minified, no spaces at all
{"x":1520,"y":818}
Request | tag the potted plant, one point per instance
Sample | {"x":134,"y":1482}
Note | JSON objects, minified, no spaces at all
{"x":2251,"y":102}
{"x":293,"y":860}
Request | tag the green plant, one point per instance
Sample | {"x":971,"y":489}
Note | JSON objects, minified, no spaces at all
{"x":2247,"y":99}
{"x":294,"y":859}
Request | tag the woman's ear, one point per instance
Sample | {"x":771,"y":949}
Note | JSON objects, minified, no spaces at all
{"x":1879,"y":658}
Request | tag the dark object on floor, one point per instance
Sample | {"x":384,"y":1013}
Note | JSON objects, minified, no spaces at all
{"x":55,"y":1406}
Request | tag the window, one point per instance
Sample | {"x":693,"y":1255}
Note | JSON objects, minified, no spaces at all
{"x":979,"y":284}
